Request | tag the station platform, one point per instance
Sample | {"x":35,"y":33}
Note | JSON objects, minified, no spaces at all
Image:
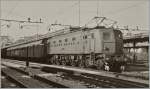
{"x":130,"y":76}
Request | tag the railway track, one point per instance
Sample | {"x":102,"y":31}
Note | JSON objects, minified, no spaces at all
{"x":23,"y":80}
{"x":98,"y":80}
{"x":7,"y":83}
{"x":55,"y":80}
{"x":74,"y":79}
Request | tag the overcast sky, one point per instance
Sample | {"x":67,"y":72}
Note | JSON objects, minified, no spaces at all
{"x":126,"y":12}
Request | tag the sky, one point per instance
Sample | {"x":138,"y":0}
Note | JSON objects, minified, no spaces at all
{"x":126,"y":12}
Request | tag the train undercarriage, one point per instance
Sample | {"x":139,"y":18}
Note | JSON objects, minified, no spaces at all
{"x":79,"y":60}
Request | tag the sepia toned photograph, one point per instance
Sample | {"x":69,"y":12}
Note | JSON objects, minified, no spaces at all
{"x":74,"y":43}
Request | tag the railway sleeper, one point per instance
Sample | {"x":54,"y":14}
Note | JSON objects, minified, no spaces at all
{"x":52,"y":80}
{"x":120,"y":82}
{"x":23,"y":80}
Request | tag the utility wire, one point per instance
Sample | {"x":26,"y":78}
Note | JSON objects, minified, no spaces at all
{"x":61,"y":11}
{"x":97,"y":8}
{"x":11,"y":11}
{"x":79,"y":12}
{"x":20,"y":21}
{"x":124,"y":9}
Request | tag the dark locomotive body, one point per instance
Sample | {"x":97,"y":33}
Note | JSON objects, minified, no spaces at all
{"x":81,"y":47}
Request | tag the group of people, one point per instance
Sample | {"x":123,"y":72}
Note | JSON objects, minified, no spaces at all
{"x":114,"y":65}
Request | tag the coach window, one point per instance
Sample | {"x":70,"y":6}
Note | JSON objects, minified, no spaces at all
{"x":85,"y":37}
{"x":73,"y":39}
{"x":60,"y":41}
{"x":66,"y":40}
{"x":54,"y":42}
{"x":106,"y":35}
{"x":92,"y":35}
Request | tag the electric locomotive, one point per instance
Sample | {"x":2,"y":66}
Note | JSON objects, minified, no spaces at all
{"x":85,"y":47}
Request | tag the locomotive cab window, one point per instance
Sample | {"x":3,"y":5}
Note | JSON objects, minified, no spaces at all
{"x":106,"y":36}
{"x":119,"y":36}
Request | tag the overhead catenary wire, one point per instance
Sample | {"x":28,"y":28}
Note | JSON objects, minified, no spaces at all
{"x":11,"y":11}
{"x":124,"y":9}
{"x":20,"y":21}
{"x":60,"y":12}
{"x":79,"y":12}
{"x":97,"y":8}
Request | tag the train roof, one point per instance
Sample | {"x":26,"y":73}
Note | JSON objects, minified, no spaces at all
{"x":48,"y":35}
{"x":98,"y":20}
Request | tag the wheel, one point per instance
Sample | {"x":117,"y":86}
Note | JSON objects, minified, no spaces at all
{"x":100,"y":64}
{"x":63,"y":62}
{"x":87,"y":62}
{"x":51,"y":60}
{"x":73,"y":62}
{"x":57,"y":62}
{"x":81,"y":63}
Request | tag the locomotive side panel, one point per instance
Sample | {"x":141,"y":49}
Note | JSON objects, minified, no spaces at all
{"x":96,"y":41}
{"x":76,"y":43}
{"x":66,"y":44}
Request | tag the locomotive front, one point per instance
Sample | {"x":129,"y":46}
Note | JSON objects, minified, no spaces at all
{"x":112,"y":43}
{"x":113,"y":50}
